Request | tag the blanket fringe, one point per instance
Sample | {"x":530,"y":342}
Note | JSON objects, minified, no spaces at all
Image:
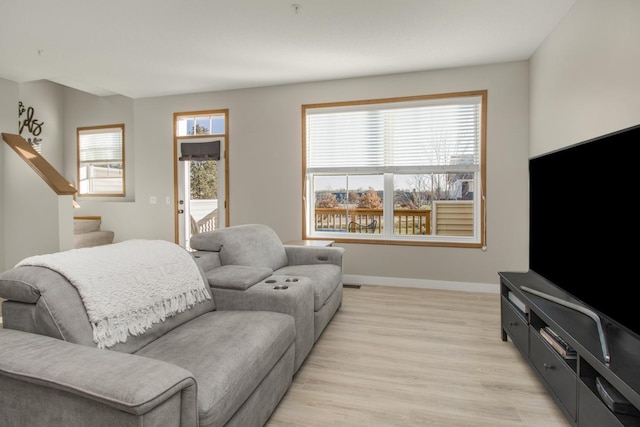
{"x":110,"y":331}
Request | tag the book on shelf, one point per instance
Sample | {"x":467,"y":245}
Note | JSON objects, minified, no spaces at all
{"x":558,"y":344}
{"x":517,"y":302}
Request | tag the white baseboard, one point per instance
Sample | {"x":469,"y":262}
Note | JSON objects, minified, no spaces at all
{"x":354,"y":279}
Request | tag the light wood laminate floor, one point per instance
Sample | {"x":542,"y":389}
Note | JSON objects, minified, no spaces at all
{"x":397,"y":356}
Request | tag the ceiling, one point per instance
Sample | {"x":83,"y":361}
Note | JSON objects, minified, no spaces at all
{"x":147,"y":48}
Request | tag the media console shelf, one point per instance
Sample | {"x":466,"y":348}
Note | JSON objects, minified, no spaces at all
{"x":572,"y":382}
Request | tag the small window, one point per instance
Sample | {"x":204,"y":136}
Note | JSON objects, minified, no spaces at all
{"x":101,"y":160}
{"x":201,"y":124}
{"x":398,"y":171}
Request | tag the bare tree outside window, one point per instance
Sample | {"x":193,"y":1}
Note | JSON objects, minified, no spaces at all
{"x":203,"y":174}
{"x":204,"y":181}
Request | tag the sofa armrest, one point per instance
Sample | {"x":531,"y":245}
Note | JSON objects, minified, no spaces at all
{"x":309,"y":255}
{"x":238,"y":277}
{"x":72,"y":384}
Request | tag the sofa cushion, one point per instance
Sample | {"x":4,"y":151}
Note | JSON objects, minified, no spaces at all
{"x":229,"y":353}
{"x":238,"y":277}
{"x":254,"y":245}
{"x":326,"y":278}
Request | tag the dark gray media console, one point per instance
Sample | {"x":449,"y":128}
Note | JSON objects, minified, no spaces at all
{"x":571,"y":382}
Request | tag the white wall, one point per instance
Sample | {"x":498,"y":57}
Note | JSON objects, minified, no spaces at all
{"x":32,"y":213}
{"x":46,"y":98}
{"x":265,"y":166}
{"x":8,"y":124}
{"x":119,"y":214}
{"x":581,"y":83}
{"x":82,"y":109}
{"x":585,"y":78}
{"x":266,"y":177}
{"x":35,"y":220}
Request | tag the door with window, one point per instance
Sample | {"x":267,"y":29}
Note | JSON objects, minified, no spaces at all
{"x":201,"y":172}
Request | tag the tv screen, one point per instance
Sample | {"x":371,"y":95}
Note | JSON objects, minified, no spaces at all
{"x":584,"y":226}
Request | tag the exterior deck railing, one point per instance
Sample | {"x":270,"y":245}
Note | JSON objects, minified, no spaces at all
{"x":405,"y":221}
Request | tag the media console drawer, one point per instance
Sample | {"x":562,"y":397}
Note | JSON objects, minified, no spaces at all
{"x":555,"y":371}
{"x":514,"y":323}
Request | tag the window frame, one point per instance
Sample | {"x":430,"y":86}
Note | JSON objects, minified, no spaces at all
{"x":80,"y":163}
{"x":476,"y":240}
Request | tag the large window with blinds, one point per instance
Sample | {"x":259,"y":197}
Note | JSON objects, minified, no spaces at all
{"x":398,"y":171}
{"x":101,"y":160}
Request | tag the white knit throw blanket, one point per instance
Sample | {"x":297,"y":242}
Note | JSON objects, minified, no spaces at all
{"x":127,"y":287}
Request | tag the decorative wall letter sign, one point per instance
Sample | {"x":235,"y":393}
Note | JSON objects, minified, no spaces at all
{"x":32,"y":125}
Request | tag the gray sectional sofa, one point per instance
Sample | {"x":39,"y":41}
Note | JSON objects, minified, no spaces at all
{"x":226,"y":359}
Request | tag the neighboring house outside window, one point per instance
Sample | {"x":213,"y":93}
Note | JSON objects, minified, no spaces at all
{"x":101,"y":161}
{"x":398,"y":171}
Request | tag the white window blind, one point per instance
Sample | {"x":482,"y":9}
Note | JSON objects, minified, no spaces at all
{"x":101,"y":160}
{"x":100,"y":145}
{"x":415,"y":136}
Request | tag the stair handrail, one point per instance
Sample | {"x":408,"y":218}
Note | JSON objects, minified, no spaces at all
{"x":39,"y":164}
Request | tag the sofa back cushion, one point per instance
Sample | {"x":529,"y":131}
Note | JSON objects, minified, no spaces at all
{"x":56,"y":309}
{"x":252,"y":245}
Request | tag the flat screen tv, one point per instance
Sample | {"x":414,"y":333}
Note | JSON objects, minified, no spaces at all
{"x":584,"y":224}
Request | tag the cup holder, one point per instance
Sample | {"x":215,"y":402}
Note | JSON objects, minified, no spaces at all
{"x":291,"y":280}
{"x":280,"y":287}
